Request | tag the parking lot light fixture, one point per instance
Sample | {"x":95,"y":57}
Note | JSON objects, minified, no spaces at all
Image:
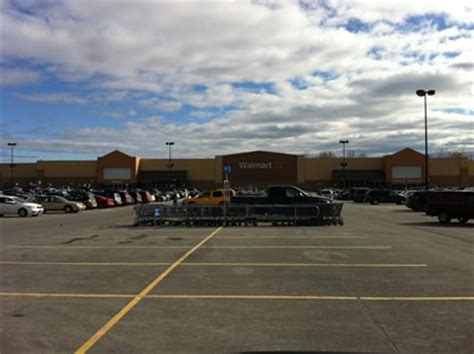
{"x":424,"y":93}
{"x":12,"y":162}
{"x":344,"y":163}
{"x":170,"y":165}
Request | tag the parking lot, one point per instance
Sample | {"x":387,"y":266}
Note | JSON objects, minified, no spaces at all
{"x":389,"y":280}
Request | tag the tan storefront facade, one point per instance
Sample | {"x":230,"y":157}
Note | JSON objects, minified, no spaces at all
{"x":249,"y":169}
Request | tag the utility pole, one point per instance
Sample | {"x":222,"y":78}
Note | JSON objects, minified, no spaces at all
{"x":344,"y":163}
{"x":170,"y":165}
{"x":12,"y":163}
{"x":424,"y":93}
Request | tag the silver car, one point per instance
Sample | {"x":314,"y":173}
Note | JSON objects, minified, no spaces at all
{"x":17,"y":206}
{"x":58,"y":203}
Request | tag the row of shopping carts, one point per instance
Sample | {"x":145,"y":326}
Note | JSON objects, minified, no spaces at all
{"x":238,"y":215}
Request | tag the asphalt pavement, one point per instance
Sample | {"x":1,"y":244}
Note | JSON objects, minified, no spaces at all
{"x":389,"y":280}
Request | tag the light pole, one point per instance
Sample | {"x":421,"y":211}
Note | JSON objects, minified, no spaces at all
{"x":12,"y":164}
{"x":170,"y":165}
{"x":344,"y":163}
{"x":424,"y":93}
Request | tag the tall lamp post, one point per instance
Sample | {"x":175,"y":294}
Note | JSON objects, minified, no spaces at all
{"x":170,"y":165}
{"x":344,"y":163}
{"x":12,"y":163}
{"x":424,"y":93}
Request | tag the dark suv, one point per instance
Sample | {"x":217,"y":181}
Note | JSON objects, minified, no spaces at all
{"x":449,"y":205}
{"x":376,"y":196}
{"x":417,"y":200}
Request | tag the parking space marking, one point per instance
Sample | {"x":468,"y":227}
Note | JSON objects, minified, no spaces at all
{"x":219,"y":264}
{"x":73,"y":295}
{"x":295,"y":237}
{"x":214,"y":247}
{"x":105,"y":264}
{"x":312,"y":297}
{"x":119,"y":315}
{"x":94,"y":247}
{"x":339,"y":265}
{"x":241,"y":297}
{"x":305,"y":247}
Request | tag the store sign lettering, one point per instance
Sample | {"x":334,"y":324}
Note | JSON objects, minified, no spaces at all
{"x":255,"y":165}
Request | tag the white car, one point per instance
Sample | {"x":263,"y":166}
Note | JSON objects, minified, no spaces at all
{"x":15,"y":205}
{"x":327,"y":193}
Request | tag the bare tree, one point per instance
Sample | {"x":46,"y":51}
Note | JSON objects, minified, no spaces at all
{"x":327,"y":154}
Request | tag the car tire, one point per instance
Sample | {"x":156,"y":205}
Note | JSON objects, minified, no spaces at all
{"x":68,"y":209}
{"x":374,"y":202}
{"x":463,"y":220}
{"x":22,"y":212}
{"x":444,"y":217}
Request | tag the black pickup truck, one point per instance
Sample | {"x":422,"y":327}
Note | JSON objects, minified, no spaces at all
{"x":447,"y":205}
{"x":280,"y":194}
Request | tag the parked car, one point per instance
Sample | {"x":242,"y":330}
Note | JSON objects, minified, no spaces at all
{"x":328,"y":193}
{"x":215,"y":197}
{"x":126,"y":197}
{"x":104,"y":202}
{"x":58,"y":203}
{"x":17,"y":206}
{"x":417,"y":200}
{"x":85,"y":197}
{"x":159,"y":197}
{"x":358,"y":194}
{"x":146,"y":196}
{"x":376,"y":196}
{"x":136,"y":196}
{"x":280,"y":195}
{"x":112,"y":195}
{"x":448,"y":205}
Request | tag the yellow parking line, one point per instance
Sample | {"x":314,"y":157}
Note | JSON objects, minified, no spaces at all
{"x":306,"y":247}
{"x":105,"y":264}
{"x":73,"y":295}
{"x":223,"y":264}
{"x":213,"y":247}
{"x":417,"y":298}
{"x":92,"y":247}
{"x":219,"y":264}
{"x":242,"y":297}
{"x":252,"y":297}
{"x":312,"y":297}
{"x":296,"y":237}
{"x":342,"y":265}
{"x":119,"y":315}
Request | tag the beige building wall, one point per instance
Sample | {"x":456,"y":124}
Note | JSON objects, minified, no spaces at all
{"x":55,"y":169}
{"x":22,"y":170}
{"x":218,"y":166}
{"x":198,"y":169}
{"x":320,"y":169}
{"x":445,"y":167}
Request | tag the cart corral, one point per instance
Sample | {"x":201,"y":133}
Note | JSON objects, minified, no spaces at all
{"x":239,"y":215}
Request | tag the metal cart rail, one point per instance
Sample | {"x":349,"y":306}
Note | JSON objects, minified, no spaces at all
{"x":238,"y":215}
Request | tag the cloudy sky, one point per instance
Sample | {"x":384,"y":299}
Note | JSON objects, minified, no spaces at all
{"x":81,"y":78}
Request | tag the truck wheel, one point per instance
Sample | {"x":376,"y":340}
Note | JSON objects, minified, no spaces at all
{"x":22,"y":212}
{"x":68,"y":209}
{"x":444,"y":217}
{"x":463,"y":220}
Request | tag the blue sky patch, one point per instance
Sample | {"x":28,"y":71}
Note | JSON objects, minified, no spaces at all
{"x":253,"y":86}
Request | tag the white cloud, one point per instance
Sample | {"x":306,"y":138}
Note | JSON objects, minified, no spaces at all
{"x":131,"y":53}
{"x":11,"y":77}
{"x":51,"y":98}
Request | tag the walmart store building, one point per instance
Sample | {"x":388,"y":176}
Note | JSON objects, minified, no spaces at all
{"x":248,"y":169}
